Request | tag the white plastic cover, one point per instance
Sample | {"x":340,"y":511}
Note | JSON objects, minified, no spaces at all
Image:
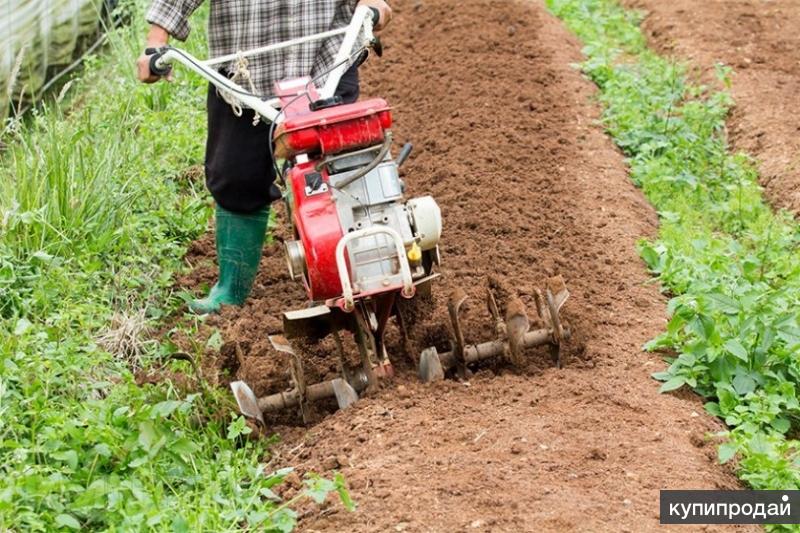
{"x":427,"y":220}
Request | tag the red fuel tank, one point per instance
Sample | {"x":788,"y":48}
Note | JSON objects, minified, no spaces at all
{"x":317,"y":224}
{"x":334,"y":130}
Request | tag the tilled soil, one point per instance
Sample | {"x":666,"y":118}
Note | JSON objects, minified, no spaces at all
{"x":530,"y":187}
{"x":761,"y":41}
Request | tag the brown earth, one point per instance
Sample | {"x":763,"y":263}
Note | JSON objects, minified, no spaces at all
{"x":761,"y":41}
{"x":530,"y":187}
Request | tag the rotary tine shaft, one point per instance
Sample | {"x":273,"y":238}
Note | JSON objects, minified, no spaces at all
{"x":344,"y":389}
{"x":346,"y":393}
{"x":514,"y":333}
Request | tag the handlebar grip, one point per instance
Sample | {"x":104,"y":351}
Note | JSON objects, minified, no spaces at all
{"x":154,"y":68}
{"x":376,"y":15}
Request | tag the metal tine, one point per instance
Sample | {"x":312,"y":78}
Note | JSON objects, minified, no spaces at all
{"x":560,"y":298}
{"x":517,"y":334}
{"x":457,"y":299}
{"x":517,"y":326}
{"x":491,"y":302}
{"x":430,"y":367}
{"x":366,"y":346}
{"x":346,"y":395}
{"x":541,"y":308}
{"x":557,"y":329}
{"x":246,"y":400}
{"x":281,"y":344}
{"x":299,"y":379}
{"x":558,"y":290}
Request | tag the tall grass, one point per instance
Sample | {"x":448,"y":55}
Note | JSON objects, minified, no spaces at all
{"x":94,"y":214}
{"x":59,"y":194}
{"x":73,"y":173}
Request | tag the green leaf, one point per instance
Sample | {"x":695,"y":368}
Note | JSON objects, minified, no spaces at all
{"x":42,"y":256}
{"x":147,"y":434}
{"x":238,"y":427}
{"x":139,"y":461}
{"x":713,"y":408}
{"x":183,"y":446}
{"x":790,"y":335}
{"x":735,"y":347}
{"x":672,"y":384}
{"x":781,"y":425}
{"x":102,"y":449}
{"x":66,"y":520}
{"x":68,"y":456}
{"x":277,"y":477}
{"x":318,"y":488}
{"x":344,"y":494}
{"x":743,"y":384}
{"x":759,"y":444}
{"x":215,"y":341}
{"x":284,"y":520}
{"x":726,"y":452}
{"x":650,"y":256}
{"x":268,"y":494}
{"x":723,"y":303}
{"x":733,"y":420}
{"x":164,"y":409}
{"x":23,"y":325}
{"x":180,"y":525}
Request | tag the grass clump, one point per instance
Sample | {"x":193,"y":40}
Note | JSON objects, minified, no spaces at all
{"x":730,"y":261}
{"x":94,"y":221}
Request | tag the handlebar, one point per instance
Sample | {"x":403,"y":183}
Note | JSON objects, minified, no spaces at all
{"x":364,"y":17}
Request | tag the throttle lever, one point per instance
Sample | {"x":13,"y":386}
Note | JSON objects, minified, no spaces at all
{"x":404,"y":153}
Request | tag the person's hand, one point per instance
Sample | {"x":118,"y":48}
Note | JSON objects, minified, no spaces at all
{"x":156,"y":38}
{"x":143,"y":71}
{"x":383,"y":9}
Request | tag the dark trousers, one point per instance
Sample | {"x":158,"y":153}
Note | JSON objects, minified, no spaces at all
{"x":239,"y":169}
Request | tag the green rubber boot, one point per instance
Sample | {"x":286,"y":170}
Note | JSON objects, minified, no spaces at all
{"x":240,"y":239}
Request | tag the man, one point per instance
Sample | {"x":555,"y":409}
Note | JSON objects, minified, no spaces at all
{"x":239,"y":170}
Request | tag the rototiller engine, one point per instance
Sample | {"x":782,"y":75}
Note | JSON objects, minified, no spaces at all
{"x":359,"y":244}
{"x":360,"y":247}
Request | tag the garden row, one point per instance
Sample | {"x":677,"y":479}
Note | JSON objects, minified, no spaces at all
{"x":729,"y":261}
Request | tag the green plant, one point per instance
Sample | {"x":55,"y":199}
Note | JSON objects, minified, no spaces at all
{"x":95,"y":216}
{"x":730,"y":262}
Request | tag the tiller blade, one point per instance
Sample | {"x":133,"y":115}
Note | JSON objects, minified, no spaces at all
{"x":247,"y":401}
{"x":345,"y":394}
{"x":513,"y":333}
{"x":344,"y":389}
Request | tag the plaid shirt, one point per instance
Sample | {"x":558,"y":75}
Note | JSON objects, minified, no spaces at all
{"x":238,"y":25}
